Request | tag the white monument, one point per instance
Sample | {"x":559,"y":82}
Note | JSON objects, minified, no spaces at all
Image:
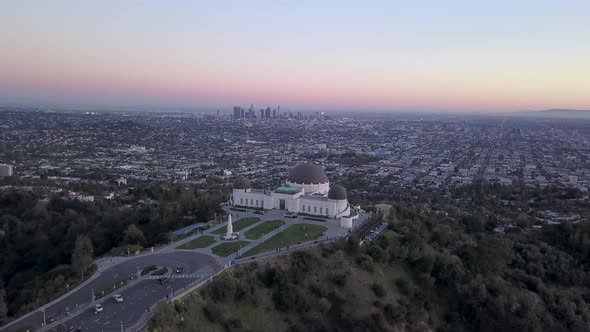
{"x":229,"y":235}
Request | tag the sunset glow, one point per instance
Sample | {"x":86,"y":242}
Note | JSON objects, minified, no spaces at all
{"x":414,"y":56}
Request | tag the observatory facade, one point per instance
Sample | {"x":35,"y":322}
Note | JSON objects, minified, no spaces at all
{"x":307,"y":191}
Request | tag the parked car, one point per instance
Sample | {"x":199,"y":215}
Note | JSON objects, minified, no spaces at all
{"x":163,"y":281}
{"x":98,"y":307}
{"x":118,"y":298}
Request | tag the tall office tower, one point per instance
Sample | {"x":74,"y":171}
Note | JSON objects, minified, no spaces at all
{"x":274,"y":113}
{"x":299,"y":116}
{"x":237,"y":112}
{"x":322,"y":116}
{"x":267,"y":115}
{"x":6,"y":170}
{"x":317,"y":115}
{"x":261,"y":114}
{"x":242,"y":113}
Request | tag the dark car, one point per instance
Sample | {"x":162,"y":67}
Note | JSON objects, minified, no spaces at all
{"x":163,"y":281}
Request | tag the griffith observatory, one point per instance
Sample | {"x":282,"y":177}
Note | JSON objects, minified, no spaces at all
{"x":307,"y":191}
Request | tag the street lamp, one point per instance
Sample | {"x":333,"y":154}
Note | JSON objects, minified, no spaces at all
{"x":92,"y":295}
{"x":44,"y":321}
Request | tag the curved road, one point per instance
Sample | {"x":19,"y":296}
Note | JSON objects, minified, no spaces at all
{"x":138,"y":295}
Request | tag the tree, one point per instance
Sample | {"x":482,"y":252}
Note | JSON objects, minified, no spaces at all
{"x":82,"y":257}
{"x":3,"y":309}
{"x":134,"y":235}
{"x":523,"y":220}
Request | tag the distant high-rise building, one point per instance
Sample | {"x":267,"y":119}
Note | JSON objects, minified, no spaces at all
{"x":274,"y":113}
{"x":237,"y":113}
{"x":6,"y":170}
{"x":261,"y":114}
{"x":267,"y":115}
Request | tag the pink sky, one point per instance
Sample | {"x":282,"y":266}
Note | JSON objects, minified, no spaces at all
{"x":397,"y":57}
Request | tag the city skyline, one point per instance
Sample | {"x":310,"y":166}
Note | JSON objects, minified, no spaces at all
{"x":457,"y":56}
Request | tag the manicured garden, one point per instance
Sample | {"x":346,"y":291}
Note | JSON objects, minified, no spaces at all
{"x":227,"y":248}
{"x":292,"y":235}
{"x":200,"y":242}
{"x":263,"y":229}
{"x":238,"y":225}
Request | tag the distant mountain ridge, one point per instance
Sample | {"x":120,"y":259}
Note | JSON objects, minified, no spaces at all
{"x":561,"y":113}
{"x":563,"y":110}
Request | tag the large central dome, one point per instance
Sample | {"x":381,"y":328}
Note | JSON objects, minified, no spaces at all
{"x":307,"y":174}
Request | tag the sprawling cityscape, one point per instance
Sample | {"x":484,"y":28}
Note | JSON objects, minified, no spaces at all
{"x":412,"y":152}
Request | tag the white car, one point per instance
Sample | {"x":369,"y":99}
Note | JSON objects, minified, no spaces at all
{"x":98,"y":307}
{"x":118,"y":298}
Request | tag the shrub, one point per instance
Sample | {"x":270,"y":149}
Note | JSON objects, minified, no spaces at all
{"x":267,"y":277}
{"x":213,"y":313}
{"x":378,"y":290}
{"x":403,"y":286}
{"x":339,"y":279}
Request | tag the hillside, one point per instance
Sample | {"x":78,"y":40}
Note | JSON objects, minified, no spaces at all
{"x":421,"y":276}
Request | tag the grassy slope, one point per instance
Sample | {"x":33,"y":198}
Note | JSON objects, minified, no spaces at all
{"x":256,"y":311}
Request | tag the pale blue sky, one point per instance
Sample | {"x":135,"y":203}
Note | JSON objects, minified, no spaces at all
{"x":415,"y":55}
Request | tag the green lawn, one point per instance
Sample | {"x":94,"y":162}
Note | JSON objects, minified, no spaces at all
{"x":238,"y":225}
{"x":227,"y":248}
{"x":262,"y":229}
{"x":292,"y":235}
{"x":111,"y":288}
{"x":148,"y":269}
{"x":200,"y":242}
{"x":160,"y":272}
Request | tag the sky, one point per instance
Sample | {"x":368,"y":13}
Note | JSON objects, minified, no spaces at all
{"x":422,"y":55}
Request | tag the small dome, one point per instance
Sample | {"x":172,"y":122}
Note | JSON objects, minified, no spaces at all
{"x":307,"y":174}
{"x":241,"y":183}
{"x":337,"y":192}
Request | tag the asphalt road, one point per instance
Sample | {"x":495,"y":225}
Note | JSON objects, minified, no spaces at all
{"x":137,"y":297}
